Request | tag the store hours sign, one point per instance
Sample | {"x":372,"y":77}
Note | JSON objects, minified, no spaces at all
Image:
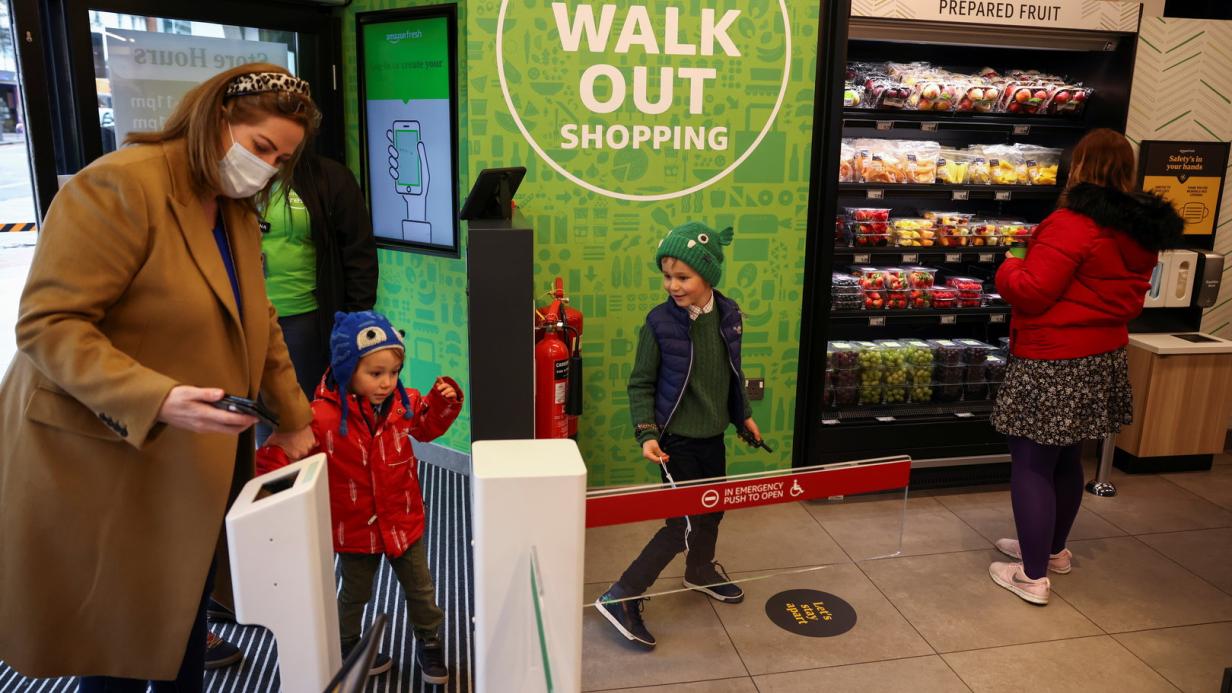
{"x":648,"y":101}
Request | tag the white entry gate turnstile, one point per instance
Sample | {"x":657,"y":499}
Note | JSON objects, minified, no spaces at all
{"x":282,"y":569}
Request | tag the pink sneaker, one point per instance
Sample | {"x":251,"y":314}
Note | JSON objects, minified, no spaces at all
{"x":1011,"y":577}
{"x":1060,"y":563}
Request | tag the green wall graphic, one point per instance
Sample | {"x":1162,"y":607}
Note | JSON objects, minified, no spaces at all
{"x":422,"y":294}
{"x":603,"y":246}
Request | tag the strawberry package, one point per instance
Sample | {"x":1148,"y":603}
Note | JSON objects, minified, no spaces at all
{"x":869,"y":226}
{"x":970,"y":291}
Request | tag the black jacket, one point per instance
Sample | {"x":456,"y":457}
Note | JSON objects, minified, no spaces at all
{"x":342,"y":234}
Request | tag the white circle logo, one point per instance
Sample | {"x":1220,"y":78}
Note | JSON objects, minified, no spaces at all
{"x":580,"y":86}
{"x":710,"y":498}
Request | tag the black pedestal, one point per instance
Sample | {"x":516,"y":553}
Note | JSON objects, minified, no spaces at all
{"x":1132,"y":464}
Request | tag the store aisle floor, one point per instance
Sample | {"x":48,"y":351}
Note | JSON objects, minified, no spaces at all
{"x":448,"y":533}
{"x":1148,"y":606}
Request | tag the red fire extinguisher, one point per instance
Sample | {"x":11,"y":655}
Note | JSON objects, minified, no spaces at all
{"x":558,"y":367}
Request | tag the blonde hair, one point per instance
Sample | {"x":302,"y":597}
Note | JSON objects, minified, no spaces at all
{"x":198,"y":119}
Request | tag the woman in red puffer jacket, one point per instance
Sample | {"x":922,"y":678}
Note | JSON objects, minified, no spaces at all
{"x":1086,"y":273}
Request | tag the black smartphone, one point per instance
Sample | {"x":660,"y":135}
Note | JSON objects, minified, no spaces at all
{"x":243,"y":405}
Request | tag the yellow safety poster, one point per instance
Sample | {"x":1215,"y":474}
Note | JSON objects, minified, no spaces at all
{"x":1188,"y":174}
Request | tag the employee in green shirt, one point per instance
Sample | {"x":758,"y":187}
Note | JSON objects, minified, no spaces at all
{"x":319,"y":256}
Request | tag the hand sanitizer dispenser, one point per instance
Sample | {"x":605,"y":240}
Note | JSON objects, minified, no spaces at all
{"x":1210,"y":277}
{"x":1157,"y":296}
{"x":1178,"y":291}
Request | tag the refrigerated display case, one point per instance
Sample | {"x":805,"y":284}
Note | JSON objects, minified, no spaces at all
{"x":914,"y":367}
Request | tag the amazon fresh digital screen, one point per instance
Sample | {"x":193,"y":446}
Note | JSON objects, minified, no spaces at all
{"x":407,"y":91}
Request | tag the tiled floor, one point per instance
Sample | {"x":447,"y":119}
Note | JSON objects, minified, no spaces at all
{"x":1148,"y":606}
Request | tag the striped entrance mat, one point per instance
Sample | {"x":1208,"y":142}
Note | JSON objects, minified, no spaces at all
{"x":448,"y":533}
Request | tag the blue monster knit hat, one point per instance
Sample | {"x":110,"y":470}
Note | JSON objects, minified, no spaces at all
{"x":355,"y":335}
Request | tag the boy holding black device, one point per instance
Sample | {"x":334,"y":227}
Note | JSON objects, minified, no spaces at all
{"x":685,"y":388}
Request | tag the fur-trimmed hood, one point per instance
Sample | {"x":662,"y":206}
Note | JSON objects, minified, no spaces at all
{"x":1148,"y":219}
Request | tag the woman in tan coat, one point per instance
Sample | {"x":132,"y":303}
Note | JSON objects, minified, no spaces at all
{"x":145,"y":303}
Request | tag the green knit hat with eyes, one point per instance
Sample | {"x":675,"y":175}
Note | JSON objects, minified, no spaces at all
{"x":699,"y":246}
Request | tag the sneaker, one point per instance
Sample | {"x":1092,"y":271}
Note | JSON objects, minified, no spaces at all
{"x":219,"y":653}
{"x":626,"y":617}
{"x":1060,"y":563}
{"x":381,"y":663}
{"x":1011,"y":577}
{"x":712,"y":580}
{"x":431,"y":658}
{"x":217,"y":612}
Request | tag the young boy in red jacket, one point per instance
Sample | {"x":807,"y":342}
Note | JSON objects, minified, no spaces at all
{"x":375,"y":502}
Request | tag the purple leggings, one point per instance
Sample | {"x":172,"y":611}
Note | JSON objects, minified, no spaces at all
{"x":1046,"y":490}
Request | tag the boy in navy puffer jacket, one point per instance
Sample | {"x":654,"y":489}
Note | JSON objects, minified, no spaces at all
{"x":685,"y":388}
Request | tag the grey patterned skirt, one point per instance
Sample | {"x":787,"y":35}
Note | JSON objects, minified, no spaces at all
{"x":1066,"y":401}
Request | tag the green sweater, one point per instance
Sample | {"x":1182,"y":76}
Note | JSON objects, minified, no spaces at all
{"x":703,"y":407}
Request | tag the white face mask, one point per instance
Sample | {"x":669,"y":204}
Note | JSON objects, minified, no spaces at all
{"x":242,"y":173}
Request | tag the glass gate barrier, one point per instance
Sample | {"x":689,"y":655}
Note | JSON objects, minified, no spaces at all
{"x":737,"y":521}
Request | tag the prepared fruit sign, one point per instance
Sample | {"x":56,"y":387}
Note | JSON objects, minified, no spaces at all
{"x":1058,"y":14}
{"x":1189,"y":175}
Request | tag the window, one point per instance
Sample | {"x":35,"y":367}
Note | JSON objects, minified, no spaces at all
{"x":16,"y":183}
{"x":143,"y":65}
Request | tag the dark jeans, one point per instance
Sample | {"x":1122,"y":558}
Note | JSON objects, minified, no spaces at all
{"x":302,"y":334}
{"x":689,"y":458}
{"x":1046,"y":491}
{"x":411,"y":568}
{"x":191,"y":678}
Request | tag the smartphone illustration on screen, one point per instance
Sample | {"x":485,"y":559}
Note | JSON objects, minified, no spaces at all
{"x":406,"y":141}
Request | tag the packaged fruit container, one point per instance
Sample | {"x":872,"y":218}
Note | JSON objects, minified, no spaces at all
{"x":933,"y":95}
{"x":953,"y":236}
{"x":947,"y":217}
{"x":968,"y":287}
{"x":842,"y":356}
{"x":1005,"y":165}
{"x":894,"y":371}
{"x":868,"y":213}
{"x":1041,"y":164}
{"x":920,"y":277}
{"x":845,"y":292}
{"x":869,"y":234}
{"x":1068,"y":101}
{"x":993,"y":300}
{"x":914,"y":232}
{"x":919,"y":358}
{"x":1026,"y":98}
{"x":948,"y":383}
{"x":897,"y":299}
{"x":996,"y":374}
{"x":980,"y":96}
{"x":943,"y":297}
{"x":952,"y":168}
{"x":984,"y":232}
{"x":975,"y":351}
{"x":884,"y":93}
{"x":846,"y":396}
{"x":975,"y":382}
{"x":978,"y":172}
{"x":946,"y":352}
{"x":842,"y":232}
{"x":872,"y":372}
{"x":852,"y":95}
{"x":1014,"y":232}
{"x":846,"y":163}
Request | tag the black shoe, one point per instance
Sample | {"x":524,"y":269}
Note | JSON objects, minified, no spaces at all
{"x":625,"y":616}
{"x":219,"y":653}
{"x":431,"y":657}
{"x":712,"y":580}
{"x":217,"y":612}
{"x":381,"y":663}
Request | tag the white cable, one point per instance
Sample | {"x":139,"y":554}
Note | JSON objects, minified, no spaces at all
{"x":688,"y":526}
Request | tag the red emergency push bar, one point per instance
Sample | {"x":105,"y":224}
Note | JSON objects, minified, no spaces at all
{"x":621,"y":506}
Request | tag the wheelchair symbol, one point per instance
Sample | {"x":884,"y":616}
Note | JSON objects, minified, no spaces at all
{"x":796,"y":489}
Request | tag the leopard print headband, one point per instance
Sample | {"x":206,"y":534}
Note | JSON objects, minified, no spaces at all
{"x":258,"y":82}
